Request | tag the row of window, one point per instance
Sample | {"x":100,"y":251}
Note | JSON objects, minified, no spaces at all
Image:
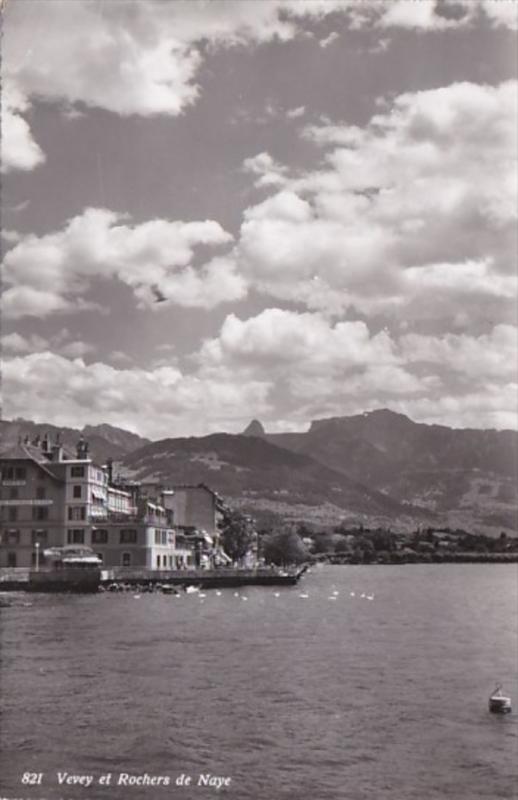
{"x":165,"y":562}
{"x":39,"y":513}
{"x":14,"y":474}
{"x":12,"y":560}
{"x":13,"y":537}
{"x":161,"y":537}
{"x":74,"y":536}
{"x":14,"y":493}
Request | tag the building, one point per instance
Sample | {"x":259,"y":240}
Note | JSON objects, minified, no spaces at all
{"x":195,"y":507}
{"x":197,"y":511}
{"x":49,"y":498}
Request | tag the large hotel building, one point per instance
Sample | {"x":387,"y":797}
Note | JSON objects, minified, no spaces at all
{"x":49,"y":498}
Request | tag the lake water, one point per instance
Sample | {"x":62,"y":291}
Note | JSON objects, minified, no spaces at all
{"x":295,"y":697}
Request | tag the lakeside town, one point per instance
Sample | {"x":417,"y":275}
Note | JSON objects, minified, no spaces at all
{"x":53,"y":498}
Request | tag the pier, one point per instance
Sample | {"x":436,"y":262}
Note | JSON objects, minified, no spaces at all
{"x":128,"y":578}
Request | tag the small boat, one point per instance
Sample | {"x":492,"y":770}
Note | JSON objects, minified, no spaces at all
{"x":499,"y":703}
{"x":166,"y":588}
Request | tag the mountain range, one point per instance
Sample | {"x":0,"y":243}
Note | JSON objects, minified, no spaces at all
{"x":376,"y":468}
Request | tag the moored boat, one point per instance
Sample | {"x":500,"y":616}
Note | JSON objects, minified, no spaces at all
{"x":499,"y":703}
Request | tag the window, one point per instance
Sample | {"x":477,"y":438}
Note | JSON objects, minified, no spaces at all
{"x":11,"y":559}
{"x":76,"y":491}
{"x":126,"y":560}
{"x":13,"y":493}
{"x":76,"y":513}
{"x":99,"y":536}
{"x":13,"y":537}
{"x":39,"y":536}
{"x":40,"y":493}
{"x":158,"y":561}
{"x":8,"y":474}
{"x":157,"y":537}
{"x":128,"y":536}
{"x":13,"y":514}
{"x":39,"y":513}
{"x":76,"y":536}
{"x":20,"y":473}
{"x":77,"y":472}
{"x":164,"y":537}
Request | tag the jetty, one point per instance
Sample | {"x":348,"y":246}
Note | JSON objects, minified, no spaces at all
{"x":129,"y":578}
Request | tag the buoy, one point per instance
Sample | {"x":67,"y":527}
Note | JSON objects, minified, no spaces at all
{"x":499,"y":703}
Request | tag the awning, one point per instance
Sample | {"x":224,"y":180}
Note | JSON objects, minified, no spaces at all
{"x":98,"y":495}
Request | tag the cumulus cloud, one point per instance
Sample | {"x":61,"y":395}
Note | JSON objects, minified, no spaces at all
{"x":269,"y":171}
{"x":143,"y":56}
{"x":420,"y":203}
{"x":320,"y":367}
{"x":62,"y":343}
{"x":18,"y":149}
{"x":153,"y":258}
{"x":491,"y":356}
{"x":65,"y":391}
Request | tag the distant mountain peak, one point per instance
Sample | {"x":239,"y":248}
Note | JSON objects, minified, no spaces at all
{"x":255,"y":429}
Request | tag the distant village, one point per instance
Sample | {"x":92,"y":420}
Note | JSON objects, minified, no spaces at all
{"x":53,"y":498}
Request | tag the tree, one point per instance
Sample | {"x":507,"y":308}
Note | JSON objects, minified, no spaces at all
{"x":284,"y":547}
{"x":236,"y":534}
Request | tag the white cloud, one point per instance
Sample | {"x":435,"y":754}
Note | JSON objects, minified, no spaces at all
{"x":62,"y":343}
{"x":502,"y":13}
{"x":309,"y":360}
{"x":294,"y":113}
{"x":153,"y":258}
{"x":333,"y":36}
{"x":490,"y":357}
{"x":420,"y":205}
{"x":321,"y":368}
{"x":411,"y":14}
{"x":269,"y":171}
{"x":143,"y":56}
{"x":49,"y":387}
{"x":18,"y":149}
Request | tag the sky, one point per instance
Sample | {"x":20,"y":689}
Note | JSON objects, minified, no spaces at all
{"x":214,"y":211}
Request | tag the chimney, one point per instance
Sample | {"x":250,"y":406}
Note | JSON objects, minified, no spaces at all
{"x":82,"y":448}
{"x":45,"y":446}
{"x":57,"y":449}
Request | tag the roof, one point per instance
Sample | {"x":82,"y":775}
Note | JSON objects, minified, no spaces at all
{"x":28,"y":452}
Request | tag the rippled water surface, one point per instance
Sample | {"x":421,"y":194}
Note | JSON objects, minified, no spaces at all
{"x":309,"y":698}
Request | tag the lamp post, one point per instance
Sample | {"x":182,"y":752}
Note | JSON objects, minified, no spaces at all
{"x":37,"y":556}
